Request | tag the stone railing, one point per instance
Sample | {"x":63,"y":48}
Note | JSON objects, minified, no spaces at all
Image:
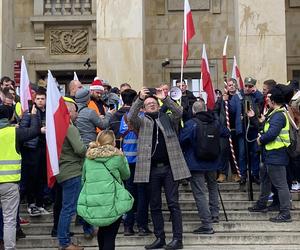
{"x":67,"y":7}
{"x":63,"y":12}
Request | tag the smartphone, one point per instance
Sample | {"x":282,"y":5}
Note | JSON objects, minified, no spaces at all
{"x":152,"y":91}
{"x":247,"y":106}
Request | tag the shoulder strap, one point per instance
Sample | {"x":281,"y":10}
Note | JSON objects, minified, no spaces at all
{"x":112,"y":174}
{"x":81,"y":109}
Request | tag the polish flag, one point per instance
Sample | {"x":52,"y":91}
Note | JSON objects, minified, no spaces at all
{"x":57,"y":123}
{"x":236,"y":74}
{"x":25,"y":94}
{"x":189,"y":30}
{"x":75,"y":78}
{"x":206,"y":81}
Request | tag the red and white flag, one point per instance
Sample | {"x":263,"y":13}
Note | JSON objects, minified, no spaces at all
{"x":206,"y":81}
{"x":189,"y":30}
{"x":57,"y":123}
{"x":25,"y":94}
{"x":75,"y":78}
{"x":236,"y":74}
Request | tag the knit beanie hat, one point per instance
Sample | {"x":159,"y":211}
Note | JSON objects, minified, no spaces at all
{"x":97,"y":84}
{"x":82,"y":96}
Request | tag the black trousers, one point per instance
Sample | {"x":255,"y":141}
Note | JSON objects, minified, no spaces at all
{"x":163,"y":177}
{"x":107,"y":235}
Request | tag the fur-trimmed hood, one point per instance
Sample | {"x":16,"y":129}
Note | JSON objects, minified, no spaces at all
{"x":96,"y":151}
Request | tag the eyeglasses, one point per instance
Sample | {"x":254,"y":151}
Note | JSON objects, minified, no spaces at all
{"x":249,"y":86}
{"x":150,"y":103}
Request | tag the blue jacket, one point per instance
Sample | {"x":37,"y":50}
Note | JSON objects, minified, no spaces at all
{"x":277,"y":156}
{"x":187,"y":140}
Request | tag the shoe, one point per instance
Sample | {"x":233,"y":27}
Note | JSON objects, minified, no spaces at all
{"x":71,"y":247}
{"x":174,"y":244}
{"x":236,"y":178}
{"x":89,"y":236}
{"x":273,"y":207}
{"x":295,"y":187}
{"x":2,"y":245}
{"x":281,"y":218}
{"x":270,"y":198}
{"x":215,"y":219}
{"x":33,"y":210}
{"x":243,"y":181}
{"x":255,"y":179}
{"x":20,"y":234}
{"x":44,"y":211}
{"x":144,"y":231}
{"x":221,"y":178}
{"x":24,"y":222}
{"x":203,"y":230}
{"x":258,"y":208}
{"x":128,"y":231}
{"x":158,"y":243}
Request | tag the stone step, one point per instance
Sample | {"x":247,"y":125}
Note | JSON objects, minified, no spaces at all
{"x":253,"y":238}
{"x":238,"y":215}
{"x":231,"y":226}
{"x":210,"y":247}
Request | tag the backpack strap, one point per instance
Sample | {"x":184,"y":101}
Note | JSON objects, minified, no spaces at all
{"x":81,"y":109}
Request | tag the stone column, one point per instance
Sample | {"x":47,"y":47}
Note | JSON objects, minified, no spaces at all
{"x":261,"y":39}
{"x":120,"y":41}
{"x":7,"y":42}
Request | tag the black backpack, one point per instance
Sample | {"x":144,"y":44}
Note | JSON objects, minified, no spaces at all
{"x":207,"y":140}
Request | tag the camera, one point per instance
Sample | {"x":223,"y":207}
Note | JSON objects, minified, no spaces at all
{"x":152,"y":91}
{"x":165,"y":62}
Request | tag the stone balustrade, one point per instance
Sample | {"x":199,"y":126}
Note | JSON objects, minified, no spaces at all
{"x":67,"y":7}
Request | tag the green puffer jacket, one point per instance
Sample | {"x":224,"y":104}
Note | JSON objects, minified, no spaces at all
{"x":98,"y":203}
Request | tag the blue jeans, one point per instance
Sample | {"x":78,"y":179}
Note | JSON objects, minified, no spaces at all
{"x":70,"y":193}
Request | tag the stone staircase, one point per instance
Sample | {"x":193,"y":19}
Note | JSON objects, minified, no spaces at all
{"x":244,"y":230}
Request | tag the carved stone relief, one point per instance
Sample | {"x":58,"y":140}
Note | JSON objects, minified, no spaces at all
{"x":175,"y":5}
{"x":68,"y":42}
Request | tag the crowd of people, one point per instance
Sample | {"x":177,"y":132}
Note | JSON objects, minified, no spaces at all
{"x":122,"y":147}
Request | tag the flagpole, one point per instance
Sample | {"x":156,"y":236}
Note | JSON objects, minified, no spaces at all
{"x":182,"y":48}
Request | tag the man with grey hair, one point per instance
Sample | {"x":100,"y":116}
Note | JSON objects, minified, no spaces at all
{"x":203,"y":128}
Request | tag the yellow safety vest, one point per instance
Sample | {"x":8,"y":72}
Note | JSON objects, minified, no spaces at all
{"x":169,"y":111}
{"x":10,"y":160}
{"x":283,"y":139}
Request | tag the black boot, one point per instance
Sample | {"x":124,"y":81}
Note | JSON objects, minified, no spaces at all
{"x":128,"y":231}
{"x":158,"y":243}
{"x":174,"y":244}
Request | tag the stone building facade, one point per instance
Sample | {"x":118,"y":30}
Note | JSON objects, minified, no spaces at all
{"x":127,"y":41}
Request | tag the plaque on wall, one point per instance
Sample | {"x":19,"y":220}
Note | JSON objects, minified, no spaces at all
{"x":68,"y":42}
{"x":294,"y":3}
{"x":177,"y":5}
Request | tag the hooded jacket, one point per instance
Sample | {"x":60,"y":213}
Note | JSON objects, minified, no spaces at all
{"x":97,"y":202}
{"x":188,"y":143}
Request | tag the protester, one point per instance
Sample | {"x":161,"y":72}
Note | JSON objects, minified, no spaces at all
{"x":97,"y":201}
{"x":275,"y":140}
{"x":203,"y":169}
{"x":160,"y":161}
{"x":74,"y":86}
{"x":11,"y":138}
{"x":88,"y":120}
{"x":69,"y":178}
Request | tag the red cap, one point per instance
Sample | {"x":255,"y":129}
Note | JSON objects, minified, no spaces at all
{"x":96,"y":85}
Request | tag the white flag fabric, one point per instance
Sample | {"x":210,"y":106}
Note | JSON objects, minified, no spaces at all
{"x":25,"y":94}
{"x":75,"y":76}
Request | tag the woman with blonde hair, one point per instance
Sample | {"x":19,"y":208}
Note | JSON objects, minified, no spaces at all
{"x":103,"y":198}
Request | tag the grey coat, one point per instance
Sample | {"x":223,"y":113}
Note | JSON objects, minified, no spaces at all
{"x":87,"y":121}
{"x":145,"y":127}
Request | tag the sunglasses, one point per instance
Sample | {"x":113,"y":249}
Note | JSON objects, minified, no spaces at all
{"x":249,"y":86}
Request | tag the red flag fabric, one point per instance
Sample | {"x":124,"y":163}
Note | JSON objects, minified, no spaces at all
{"x":25,"y":94}
{"x":206,"y":81}
{"x":189,"y":30}
{"x":236,"y":74}
{"x":57,"y":123}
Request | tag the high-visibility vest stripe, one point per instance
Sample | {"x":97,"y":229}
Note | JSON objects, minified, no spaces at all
{"x":9,"y":172}
{"x":130,"y":141}
{"x":10,"y":162}
{"x":127,"y":153}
